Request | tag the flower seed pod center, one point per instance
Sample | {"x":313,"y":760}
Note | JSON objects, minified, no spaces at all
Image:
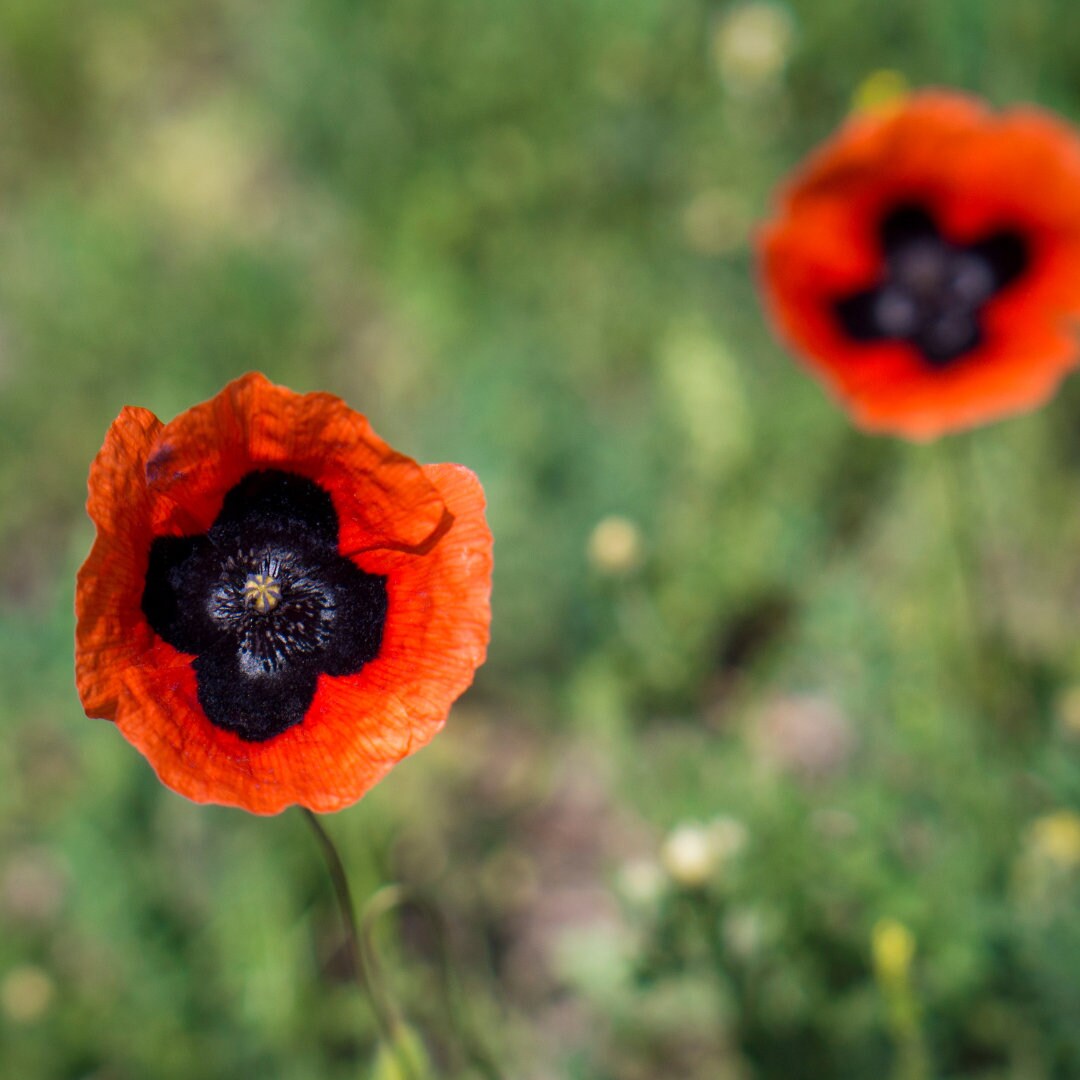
{"x":262,"y":592}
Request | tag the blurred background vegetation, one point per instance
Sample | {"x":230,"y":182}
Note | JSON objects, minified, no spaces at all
{"x":773,"y":771}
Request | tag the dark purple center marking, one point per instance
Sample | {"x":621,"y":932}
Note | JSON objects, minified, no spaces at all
{"x":932,"y":292}
{"x":266,"y":603}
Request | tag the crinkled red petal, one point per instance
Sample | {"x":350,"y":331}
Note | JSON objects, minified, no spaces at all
{"x":382,"y":497}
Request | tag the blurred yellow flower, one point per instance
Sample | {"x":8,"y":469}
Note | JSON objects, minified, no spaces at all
{"x":615,"y":545}
{"x":880,"y":91}
{"x":893,"y":947}
{"x":1056,"y":838}
{"x":26,"y":993}
{"x":752,"y":44}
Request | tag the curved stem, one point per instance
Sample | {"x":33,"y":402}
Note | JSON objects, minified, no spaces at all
{"x":397,"y":897}
{"x":386,"y":1014}
{"x":960,"y":526}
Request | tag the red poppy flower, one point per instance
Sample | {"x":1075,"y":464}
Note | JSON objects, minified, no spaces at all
{"x":278,"y":606}
{"x":926,"y":263}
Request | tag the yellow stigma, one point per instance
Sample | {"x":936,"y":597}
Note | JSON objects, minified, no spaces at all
{"x":262,"y":592}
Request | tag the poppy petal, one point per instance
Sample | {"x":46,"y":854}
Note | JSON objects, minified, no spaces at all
{"x":110,"y":633}
{"x":382,"y":497}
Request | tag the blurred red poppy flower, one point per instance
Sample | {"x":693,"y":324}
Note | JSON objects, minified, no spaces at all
{"x":277,"y":606}
{"x":926,"y":263}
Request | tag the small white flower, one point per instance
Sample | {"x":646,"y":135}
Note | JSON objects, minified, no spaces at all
{"x":690,"y":856}
{"x":615,"y":545}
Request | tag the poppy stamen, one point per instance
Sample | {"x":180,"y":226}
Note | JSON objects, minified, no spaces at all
{"x":262,"y":592}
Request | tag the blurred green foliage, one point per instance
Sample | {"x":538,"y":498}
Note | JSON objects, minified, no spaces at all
{"x":517,"y":235}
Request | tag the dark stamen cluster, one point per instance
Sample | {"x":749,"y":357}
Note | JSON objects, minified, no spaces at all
{"x":265,"y":603}
{"x":932,"y":292}
{"x":278,"y":612}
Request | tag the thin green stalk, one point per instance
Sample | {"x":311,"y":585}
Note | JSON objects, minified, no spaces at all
{"x":960,"y":528}
{"x":396,"y":897}
{"x":387,"y":1017}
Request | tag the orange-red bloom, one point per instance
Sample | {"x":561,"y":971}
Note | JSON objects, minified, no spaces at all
{"x":926,"y":263}
{"x":278,"y":606}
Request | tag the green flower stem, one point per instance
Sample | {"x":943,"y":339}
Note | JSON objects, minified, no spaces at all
{"x":395,"y":897}
{"x":391,"y":1026}
{"x":960,"y":525}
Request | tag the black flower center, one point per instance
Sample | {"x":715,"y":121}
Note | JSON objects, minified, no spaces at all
{"x":932,"y":292}
{"x":265,"y":603}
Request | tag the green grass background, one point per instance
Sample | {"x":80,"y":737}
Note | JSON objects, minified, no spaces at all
{"x":517,"y":235}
